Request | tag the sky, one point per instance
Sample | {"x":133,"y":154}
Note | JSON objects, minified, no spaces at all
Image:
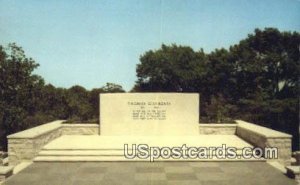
{"x":92,"y":42}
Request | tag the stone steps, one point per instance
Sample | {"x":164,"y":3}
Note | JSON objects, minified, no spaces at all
{"x":111,"y":148}
{"x":97,"y":152}
{"x":122,"y":158}
{"x":81,"y":152}
{"x":61,"y":155}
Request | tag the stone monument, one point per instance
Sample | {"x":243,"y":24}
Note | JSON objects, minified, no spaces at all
{"x":147,"y":114}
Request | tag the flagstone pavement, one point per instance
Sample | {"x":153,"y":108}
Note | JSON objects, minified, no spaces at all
{"x":156,"y":173}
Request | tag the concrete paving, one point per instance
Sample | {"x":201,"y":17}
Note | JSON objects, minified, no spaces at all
{"x":157,"y":173}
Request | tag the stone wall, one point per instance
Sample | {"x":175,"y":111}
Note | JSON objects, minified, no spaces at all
{"x":5,"y":172}
{"x":80,"y":129}
{"x":25,"y":145}
{"x":264,"y":137}
{"x":217,"y":129}
{"x":284,"y":146}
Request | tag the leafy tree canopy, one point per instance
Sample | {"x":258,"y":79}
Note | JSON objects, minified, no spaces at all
{"x":256,"y":79}
{"x":171,"y":68}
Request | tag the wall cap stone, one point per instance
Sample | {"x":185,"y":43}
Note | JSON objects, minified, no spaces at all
{"x":37,"y":131}
{"x":218,"y":125}
{"x":293,"y":169}
{"x":80,"y":125}
{"x":4,"y":170}
{"x":260,"y":130}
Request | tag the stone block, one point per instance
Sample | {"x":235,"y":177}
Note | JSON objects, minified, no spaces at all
{"x":144,"y":114}
{"x":293,"y":172}
{"x":80,"y":129}
{"x":264,"y":137}
{"x":297,"y":157}
{"x":5,"y":171}
{"x":217,"y":129}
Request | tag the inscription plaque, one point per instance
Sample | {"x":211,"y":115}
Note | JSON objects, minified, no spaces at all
{"x":149,"y":114}
{"x":149,"y":110}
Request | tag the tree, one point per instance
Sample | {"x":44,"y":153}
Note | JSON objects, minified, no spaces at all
{"x":256,"y":79}
{"x":78,"y":103}
{"x":25,"y":101}
{"x":54,"y":102}
{"x":171,"y":69}
{"x":94,"y":96}
{"x":94,"y":101}
{"x":19,"y":88}
{"x":112,"y":88}
{"x":267,"y":71}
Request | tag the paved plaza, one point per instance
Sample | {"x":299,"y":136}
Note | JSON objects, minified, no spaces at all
{"x":143,"y":173}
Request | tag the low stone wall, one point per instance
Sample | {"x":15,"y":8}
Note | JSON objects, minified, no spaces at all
{"x":25,"y":145}
{"x":80,"y":129}
{"x":264,"y":137}
{"x":217,"y":129}
{"x":5,"y":172}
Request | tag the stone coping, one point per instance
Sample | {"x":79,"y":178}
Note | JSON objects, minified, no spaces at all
{"x":6,"y":169}
{"x":262,"y":131}
{"x":217,"y":124}
{"x":46,"y":128}
{"x":80,"y":125}
{"x":294,"y":169}
{"x":37,"y":131}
